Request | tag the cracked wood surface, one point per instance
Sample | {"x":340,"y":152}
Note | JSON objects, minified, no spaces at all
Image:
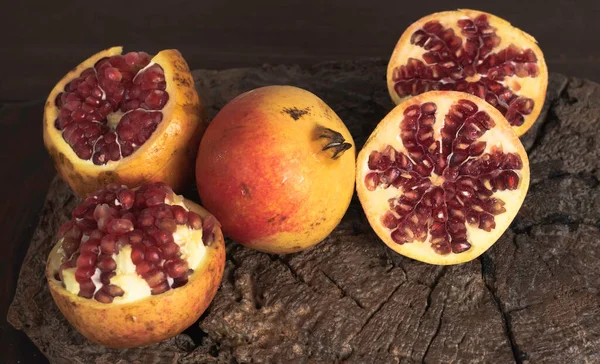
{"x":532,"y":298}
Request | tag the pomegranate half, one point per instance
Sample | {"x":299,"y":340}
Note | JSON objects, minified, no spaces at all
{"x":474,"y":52}
{"x":441,"y":177}
{"x":127,"y":119}
{"x":276,"y":167}
{"x":134,"y":267}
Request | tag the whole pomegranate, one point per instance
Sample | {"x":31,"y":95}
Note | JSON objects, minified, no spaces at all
{"x":442,"y":176}
{"x":276,"y":166}
{"x":134,"y":267}
{"x":128,"y":119}
{"x":475,"y":52}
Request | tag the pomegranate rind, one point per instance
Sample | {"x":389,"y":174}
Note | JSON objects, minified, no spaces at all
{"x":151,"y":319}
{"x":263,"y":174}
{"x":167,"y":156}
{"x":531,"y":87}
{"x":375,"y":203}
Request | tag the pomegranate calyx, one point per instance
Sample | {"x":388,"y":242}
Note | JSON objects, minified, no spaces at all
{"x":335,"y":141}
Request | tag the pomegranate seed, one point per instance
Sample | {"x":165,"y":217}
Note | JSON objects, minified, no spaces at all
{"x":112,"y":74}
{"x":83,"y":149}
{"x":153,"y":254}
{"x":179,"y":214}
{"x":169,"y":250}
{"x":126,"y":198}
{"x":194,"y":220}
{"x":106,"y":276}
{"x":119,"y":226}
{"x":113,"y":290}
{"x":106,"y":263}
{"x":487,"y":222}
{"x":372,"y":181}
{"x":103,"y":224}
{"x":126,"y":132}
{"x":143,"y":267}
{"x":131,"y":105}
{"x":208,"y":225}
{"x":64,"y":228}
{"x":87,"y":259}
{"x":162,"y":237}
{"x":108,"y":245}
{"x":166,"y":224}
{"x":149,"y":241}
{"x":161,"y":288}
{"x":155,"y":198}
{"x":137,"y":253}
{"x":146,"y":220}
{"x":156,"y":99}
{"x":84,"y":274}
{"x":128,"y":216}
{"x":126,"y":149}
{"x":135,"y":236}
{"x":103,"y":297}
{"x":131,"y":58}
{"x":102,"y":210}
{"x":389,"y":220}
{"x":178,"y":282}
{"x":90,"y":246}
{"x":473,"y":218}
{"x":86,"y":288}
{"x":110,"y":138}
{"x":155,"y":277}
{"x":176,"y":268}
{"x":72,"y":105}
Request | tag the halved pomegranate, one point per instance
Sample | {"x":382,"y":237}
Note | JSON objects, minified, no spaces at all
{"x":134,"y":267}
{"x":474,"y":52}
{"x":127,"y":119}
{"x":441,"y":177}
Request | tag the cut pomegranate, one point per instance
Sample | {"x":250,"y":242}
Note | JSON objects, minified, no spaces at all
{"x":442,"y":177}
{"x":474,"y":52}
{"x":152,"y":244}
{"x":117,"y":278}
{"x":110,"y":106}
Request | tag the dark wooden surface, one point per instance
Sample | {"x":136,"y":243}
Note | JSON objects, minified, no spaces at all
{"x":42,"y":40}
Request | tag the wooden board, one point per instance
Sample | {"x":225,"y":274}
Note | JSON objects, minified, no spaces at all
{"x":533,"y":297}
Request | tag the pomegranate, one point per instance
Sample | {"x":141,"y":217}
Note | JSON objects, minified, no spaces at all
{"x":474,"y":52}
{"x":276,"y":167}
{"x":134,"y":267}
{"x":441,"y":177}
{"x":127,"y":119}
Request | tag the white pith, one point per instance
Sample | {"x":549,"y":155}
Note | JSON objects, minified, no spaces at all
{"x":376,"y":203}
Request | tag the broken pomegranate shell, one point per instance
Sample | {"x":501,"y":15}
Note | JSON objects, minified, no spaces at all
{"x":474,"y":52}
{"x":442,"y":177}
{"x":128,"y":119}
{"x":134,"y":267}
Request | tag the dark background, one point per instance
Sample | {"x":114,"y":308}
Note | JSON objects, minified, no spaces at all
{"x":41,"y":41}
